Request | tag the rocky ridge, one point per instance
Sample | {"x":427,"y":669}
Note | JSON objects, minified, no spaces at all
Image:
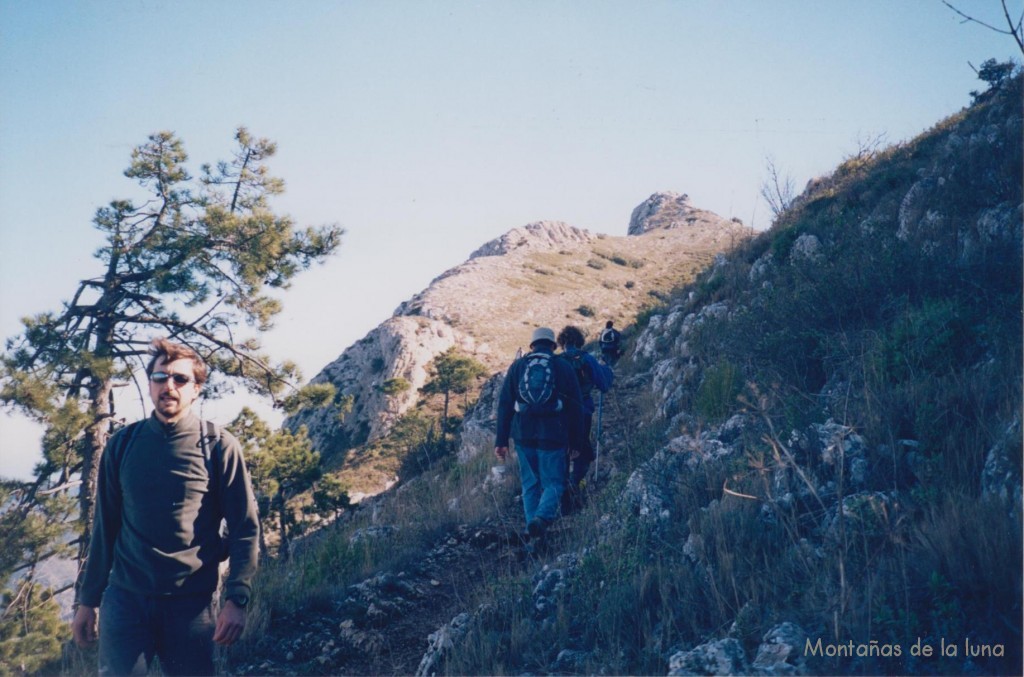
{"x":828,"y":480}
{"x":844,"y":486}
{"x":544,"y":273}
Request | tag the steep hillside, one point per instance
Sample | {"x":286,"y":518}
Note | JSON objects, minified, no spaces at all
{"x":826,"y":475}
{"x":810,"y":464}
{"x":546,"y":273}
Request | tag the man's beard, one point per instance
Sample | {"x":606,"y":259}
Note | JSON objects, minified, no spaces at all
{"x":167,"y":403}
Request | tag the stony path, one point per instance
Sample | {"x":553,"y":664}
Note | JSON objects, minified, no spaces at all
{"x":382,"y":625}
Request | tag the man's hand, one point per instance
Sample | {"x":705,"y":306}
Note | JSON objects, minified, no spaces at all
{"x":230,"y":623}
{"x":83,"y":627}
{"x":501,"y":453}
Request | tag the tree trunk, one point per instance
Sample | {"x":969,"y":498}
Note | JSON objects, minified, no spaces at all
{"x":444,"y":423}
{"x":98,"y":432}
{"x":282,"y":518}
{"x":264,"y":553}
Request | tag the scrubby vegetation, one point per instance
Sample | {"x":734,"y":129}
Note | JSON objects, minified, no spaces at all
{"x":885,"y":302}
{"x":882,"y":309}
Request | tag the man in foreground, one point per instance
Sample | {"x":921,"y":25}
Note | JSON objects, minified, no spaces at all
{"x":540,"y":408}
{"x":165,"y":485}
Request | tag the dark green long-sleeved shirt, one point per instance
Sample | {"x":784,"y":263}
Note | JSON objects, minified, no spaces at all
{"x":157,"y":528}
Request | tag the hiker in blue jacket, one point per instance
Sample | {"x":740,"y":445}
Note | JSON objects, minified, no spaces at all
{"x":591,"y":374}
{"x":540,"y":408}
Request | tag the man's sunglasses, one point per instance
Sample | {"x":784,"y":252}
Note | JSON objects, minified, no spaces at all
{"x":161,"y":377}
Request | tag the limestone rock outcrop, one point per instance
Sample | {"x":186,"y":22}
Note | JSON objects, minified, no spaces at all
{"x":382,"y":373}
{"x":539,"y":235}
{"x":666,"y":211}
{"x":544,"y":273}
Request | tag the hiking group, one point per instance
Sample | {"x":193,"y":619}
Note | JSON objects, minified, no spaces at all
{"x":167,"y":484}
{"x":546,"y":407}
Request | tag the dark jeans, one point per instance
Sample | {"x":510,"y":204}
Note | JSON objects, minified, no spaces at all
{"x":134,"y":628}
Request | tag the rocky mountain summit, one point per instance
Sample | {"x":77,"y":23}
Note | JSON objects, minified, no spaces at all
{"x":810,"y":462}
{"x":544,"y":273}
{"x":667,"y":211}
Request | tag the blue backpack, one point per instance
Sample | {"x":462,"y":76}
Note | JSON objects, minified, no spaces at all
{"x":537,"y":394}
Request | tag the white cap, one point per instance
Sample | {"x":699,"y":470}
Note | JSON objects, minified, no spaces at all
{"x":543,"y":334}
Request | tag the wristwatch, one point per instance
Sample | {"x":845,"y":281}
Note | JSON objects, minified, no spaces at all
{"x":241,"y":601}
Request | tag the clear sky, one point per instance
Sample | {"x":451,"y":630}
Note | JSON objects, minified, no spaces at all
{"x":427,"y":127}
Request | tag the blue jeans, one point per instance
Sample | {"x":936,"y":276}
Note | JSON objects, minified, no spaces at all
{"x":543,"y":474}
{"x":176,"y":628}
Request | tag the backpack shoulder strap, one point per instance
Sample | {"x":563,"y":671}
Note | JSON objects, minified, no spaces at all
{"x":574,"y":359}
{"x":209,"y":435}
{"x":123,"y":440}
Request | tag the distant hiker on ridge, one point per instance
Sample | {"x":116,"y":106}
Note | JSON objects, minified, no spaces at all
{"x":540,"y":408}
{"x":610,"y":338}
{"x":591,"y":374}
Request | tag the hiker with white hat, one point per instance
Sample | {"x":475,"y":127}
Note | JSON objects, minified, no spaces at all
{"x":540,"y":409}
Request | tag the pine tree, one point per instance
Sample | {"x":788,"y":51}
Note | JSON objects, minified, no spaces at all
{"x":284,"y":467}
{"x":30,"y":632}
{"x":451,"y":374}
{"x":194,"y":261}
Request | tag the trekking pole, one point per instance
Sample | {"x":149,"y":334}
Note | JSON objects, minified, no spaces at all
{"x":597,"y":446}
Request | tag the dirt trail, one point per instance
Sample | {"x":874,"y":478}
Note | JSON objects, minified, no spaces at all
{"x":381,"y":626}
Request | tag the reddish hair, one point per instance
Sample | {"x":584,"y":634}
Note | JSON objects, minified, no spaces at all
{"x":171,"y":351}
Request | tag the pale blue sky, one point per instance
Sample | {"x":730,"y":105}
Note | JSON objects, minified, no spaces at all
{"x":426,"y":128}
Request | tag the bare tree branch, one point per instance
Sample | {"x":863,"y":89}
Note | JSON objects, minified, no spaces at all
{"x":778,"y":191}
{"x":1014,"y":29}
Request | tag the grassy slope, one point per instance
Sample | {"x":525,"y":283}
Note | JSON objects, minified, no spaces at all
{"x":898,"y":338}
{"x":911,"y":339}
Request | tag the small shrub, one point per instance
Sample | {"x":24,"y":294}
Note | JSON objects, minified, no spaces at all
{"x":994,"y":73}
{"x":586,"y":311}
{"x":394,"y":386}
{"x":344,"y":404}
{"x":647,"y":312}
{"x":717,"y":393}
{"x":596,"y":264}
{"x":931,"y":339}
{"x":783,"y":241}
